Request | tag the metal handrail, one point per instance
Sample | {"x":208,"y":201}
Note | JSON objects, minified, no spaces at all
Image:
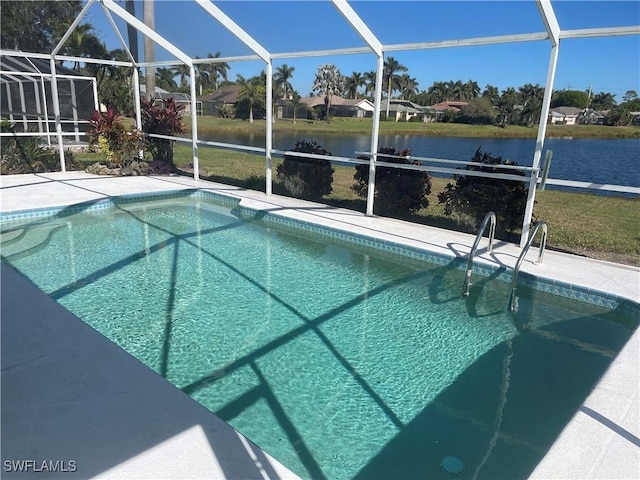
{"x":513,"y":303}
{"x":492,"y":230}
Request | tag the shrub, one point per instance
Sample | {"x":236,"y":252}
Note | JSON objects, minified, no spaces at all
{"x":305,"y":177}
{"x":398,"y":190}
{"x":23,"y":155}
{"x":471,"y":197}
{"x":121,"y":146}
{"x":162,"y":119}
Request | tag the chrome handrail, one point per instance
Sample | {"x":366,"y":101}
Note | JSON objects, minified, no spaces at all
{"x":513,"y":303}
{"x":492,"y":230}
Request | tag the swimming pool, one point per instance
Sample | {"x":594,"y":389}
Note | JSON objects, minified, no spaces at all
{"x":341,"y":362}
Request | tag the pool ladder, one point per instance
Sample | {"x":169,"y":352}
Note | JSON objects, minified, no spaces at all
{"x":489,"y":217}
{"x":513,"y":300}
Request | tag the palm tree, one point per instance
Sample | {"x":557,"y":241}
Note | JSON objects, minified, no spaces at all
{"x":252,"y":90}
{"x":457,"y":90}
{"x":213,"y":72}
{"x":369,"y":79}
{"x":603,"y":101}
{"x":492,"y":94}
{"x":84,"y":43}
{"x":295,"y":103}
{"x":531,"y":97}
{"x":328,"y":82}
{"x":439,"y":91}
{"x":471,"y":90}
{"x":508,"y":100}
{"x":183,"y":71}
{"x":282,"y":75}
{"x":148,"y":7}
{"x":352,"y":83}
{"x":164,"y":79}
{"x":408,"y":87}
{"x":390,"y":77}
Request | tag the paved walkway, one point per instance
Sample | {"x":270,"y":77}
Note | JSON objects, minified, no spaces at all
{"x":68,"y":394}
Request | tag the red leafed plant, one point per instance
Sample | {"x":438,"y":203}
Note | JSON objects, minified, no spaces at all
{"x":163,"y":119}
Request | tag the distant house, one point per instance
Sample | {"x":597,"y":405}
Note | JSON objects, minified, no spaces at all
{"x":452,"y":106}
{"x":564,"y":115}
{"x":223,"y":97}
{"x":342,"y":107}
{"x":403,"y":110}
{"x":162,"y":96}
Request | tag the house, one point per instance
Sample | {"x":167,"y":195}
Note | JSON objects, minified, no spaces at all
{"x":342,"y":107}
{"x":403,"y":110}
{"x":564,"y":115}
{"x":447,"y":106}
{"x":224,"y":97}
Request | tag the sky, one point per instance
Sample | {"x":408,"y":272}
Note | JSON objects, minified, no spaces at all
{"x":604,"y":64}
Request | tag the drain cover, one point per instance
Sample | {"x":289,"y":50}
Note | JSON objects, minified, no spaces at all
{"x":452,"y":465}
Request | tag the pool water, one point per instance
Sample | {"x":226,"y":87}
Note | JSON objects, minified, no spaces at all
{"x":340,"y":361}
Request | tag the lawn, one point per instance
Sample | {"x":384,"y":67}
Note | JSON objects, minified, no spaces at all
{"x":210,"y":124}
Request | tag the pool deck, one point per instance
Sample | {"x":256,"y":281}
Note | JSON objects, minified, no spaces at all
{"x":68,"y":394}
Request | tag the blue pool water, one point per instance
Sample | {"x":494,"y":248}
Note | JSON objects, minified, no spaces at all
{"x":342,"y":361}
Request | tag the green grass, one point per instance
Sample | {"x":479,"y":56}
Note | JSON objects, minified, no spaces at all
{"x":601,"y":227}
{"x":210,"y":124}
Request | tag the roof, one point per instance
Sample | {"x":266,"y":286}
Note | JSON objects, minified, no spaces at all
{"x":337,"y":101}
{"x":9,"y":63}
{"x":449,"y":105}
{"x":228,"y":94}
{"x":565,"y":111}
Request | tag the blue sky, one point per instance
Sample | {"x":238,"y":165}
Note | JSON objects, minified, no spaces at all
{"x":609,"y":64}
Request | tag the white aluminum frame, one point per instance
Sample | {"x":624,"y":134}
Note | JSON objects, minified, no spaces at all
{"x":553,"y":34}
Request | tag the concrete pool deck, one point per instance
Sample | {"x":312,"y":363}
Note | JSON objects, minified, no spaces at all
{"x":68,"y":394}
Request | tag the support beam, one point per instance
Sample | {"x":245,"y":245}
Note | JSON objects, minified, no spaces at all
{"x":269,"y":130}
{"x":72,"y":27}
{"x":148,"y":32}
{"x":375,"y":132}
{"x":56,"y":111}
{"x":550,"y":21}
{"x":542,"y":131}
{"x":194,"y":123}
{"x":234,"y":28}
{"x":359,"y":26}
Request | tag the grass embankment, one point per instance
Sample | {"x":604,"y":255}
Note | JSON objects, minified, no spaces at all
{"x":210,"y":124}
{"x":606,"y":228}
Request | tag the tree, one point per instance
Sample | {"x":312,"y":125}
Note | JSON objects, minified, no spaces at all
{"x":506,"y":104}
{"x":183,"y":71}
{"x":35,"y":26}
{"x":479,"y":111}
{"x":471,"y":197}
{"x":531,"y":97}
{"x":369,"y":79}
{"x":328,"y":82}
{"x":295,"y":103}
{"x":390,"y":77}
{"x":352,"y":84}
{"x":281,"y":78}
{"x":439,"y":92}
{"x":252,"y":91}
{"x":603,"y":101}
{"x":629,"y":96}
{"x":148,"y":8}
{"x":570,"y":98}
{"x":408,"y":87}
{"x":492,"y":93}
{"x":471,"y":90}
{"x":164,"y":79}
{"x":83,"y":43}
{"x":398,"y":191}
{"x":306,"y":177}
{"x":212,"y":73}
